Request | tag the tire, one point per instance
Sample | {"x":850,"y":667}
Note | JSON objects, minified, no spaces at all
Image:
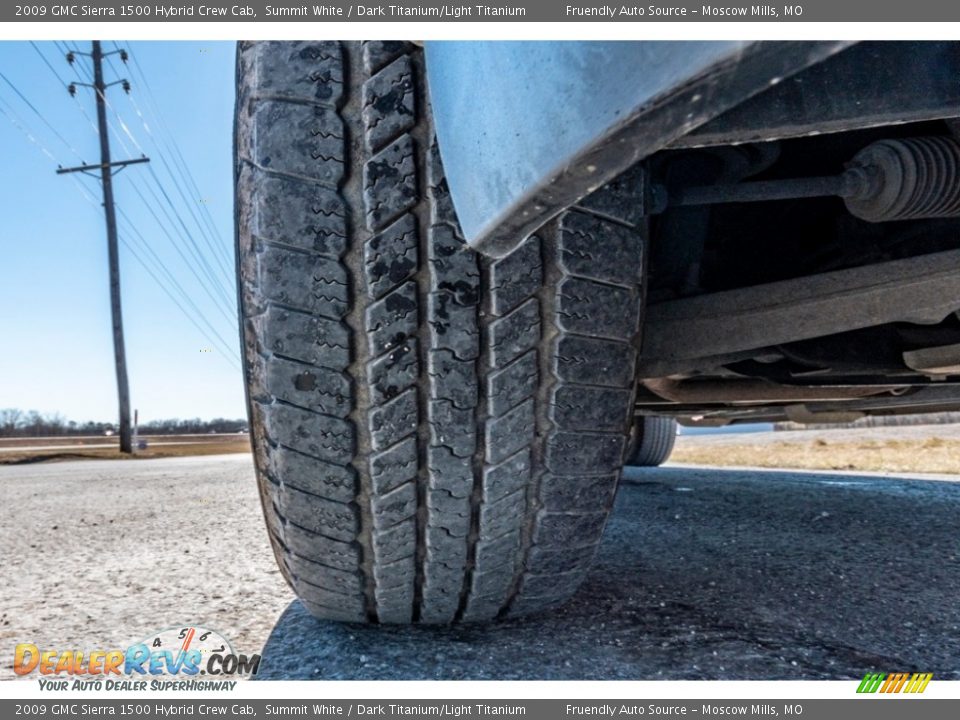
{"x":437,"y":436}
{"x":654,"y":440}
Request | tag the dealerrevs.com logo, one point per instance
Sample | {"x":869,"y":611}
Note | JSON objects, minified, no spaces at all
{"x":171,"y":659}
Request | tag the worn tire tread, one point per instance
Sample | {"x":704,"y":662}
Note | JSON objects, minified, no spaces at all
{"x":437,"y":435}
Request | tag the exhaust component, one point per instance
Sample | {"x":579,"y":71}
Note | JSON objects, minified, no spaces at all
{"x":756,"y":391}
{"x":935,"y":361}
{"x":805,"y":416}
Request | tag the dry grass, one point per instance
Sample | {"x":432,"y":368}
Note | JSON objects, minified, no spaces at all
{"x":929,"y":455}
{"x":220,"y":446}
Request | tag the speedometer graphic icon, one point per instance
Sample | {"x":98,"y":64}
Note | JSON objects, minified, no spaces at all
{"x":187,"y":645}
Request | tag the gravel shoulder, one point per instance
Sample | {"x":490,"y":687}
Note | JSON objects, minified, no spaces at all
{"x":99,"y":553}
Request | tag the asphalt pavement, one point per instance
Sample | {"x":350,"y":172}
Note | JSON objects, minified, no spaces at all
{"x":705,"y":574}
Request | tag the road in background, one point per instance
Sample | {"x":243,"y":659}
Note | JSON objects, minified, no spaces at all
{"x":703,"y":574}
{"x":30,"y":450}
{"x":758,"y":434}
{"x":20,"y":444}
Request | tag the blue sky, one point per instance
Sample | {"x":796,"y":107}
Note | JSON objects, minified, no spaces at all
{"x":56,"y":351}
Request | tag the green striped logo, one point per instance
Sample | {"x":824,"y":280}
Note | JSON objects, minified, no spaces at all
{"x":894,"y":682}
{"x":871,"y":682}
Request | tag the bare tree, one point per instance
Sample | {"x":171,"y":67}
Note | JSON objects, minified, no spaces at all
{"x":17,"y":423}
{"x":10,"y":421}
{"x":33,"y":423}
{"x":55,"y":424}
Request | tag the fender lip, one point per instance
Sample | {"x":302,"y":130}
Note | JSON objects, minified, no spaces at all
{"x":527,"y":129}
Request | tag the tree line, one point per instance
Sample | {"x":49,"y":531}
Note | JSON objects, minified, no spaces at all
{"x":30,"y":423}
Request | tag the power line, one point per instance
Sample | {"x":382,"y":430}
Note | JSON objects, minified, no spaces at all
{"x":174,"y":300}
{"x":163,"y":267}
{"x":191,"y":264}
{"x":222,"y":263}
{"x":183,"y":232}
{"x":207,"y":229}
{"x":40,"y":115}
{"x":67,"y":51}
{"x":228,"y":313}
{"x":175,"y":152}
{"x":230,"y":354}
{"x":123,"y":125}
{"x":64,"y":48}
{"x":48,"y":64}
{"x":11,"y":114}
{"x":225,"y":271}
{"x":184,"y":171}
{"x":225,"y":276}
{"x":14,"y":117}
{"x":65,"y":84}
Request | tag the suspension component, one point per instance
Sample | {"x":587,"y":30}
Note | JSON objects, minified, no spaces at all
{"x":909,"y":179}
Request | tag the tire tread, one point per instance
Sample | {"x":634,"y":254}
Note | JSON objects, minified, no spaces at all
{"x":437,"y":435}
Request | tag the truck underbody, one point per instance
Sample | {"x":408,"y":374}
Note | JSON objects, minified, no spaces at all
{"x":779,"y":289}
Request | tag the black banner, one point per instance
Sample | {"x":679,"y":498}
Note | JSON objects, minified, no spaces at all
{"x":519,"y":11}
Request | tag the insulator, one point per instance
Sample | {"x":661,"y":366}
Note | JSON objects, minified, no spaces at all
{"x":907,"y":179}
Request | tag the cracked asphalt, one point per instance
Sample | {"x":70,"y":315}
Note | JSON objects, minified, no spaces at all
{"x":706,"y":574}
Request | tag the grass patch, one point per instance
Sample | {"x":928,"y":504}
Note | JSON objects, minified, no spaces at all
{"x":927,"y":455}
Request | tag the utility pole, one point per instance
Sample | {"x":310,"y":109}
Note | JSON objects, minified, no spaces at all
{"x":105,"y":169}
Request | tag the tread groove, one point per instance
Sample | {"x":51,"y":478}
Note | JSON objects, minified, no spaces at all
{"x":437,"y":435}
